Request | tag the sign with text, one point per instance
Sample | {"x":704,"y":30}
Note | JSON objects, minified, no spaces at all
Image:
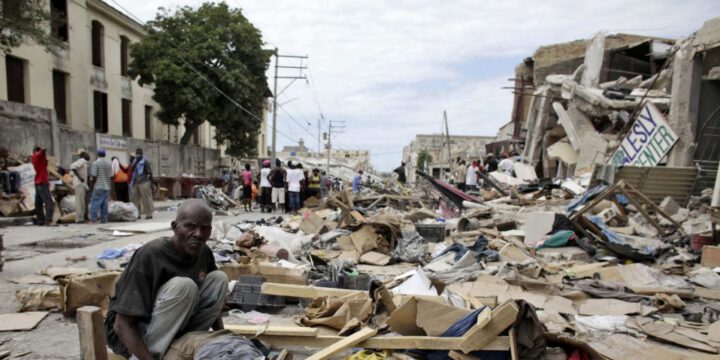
{"x":648,"y":141}
{"x":114,"y":147}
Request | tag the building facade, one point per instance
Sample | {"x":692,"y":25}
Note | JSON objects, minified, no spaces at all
{"x":466,"y":147}
{"x":86,"y":83}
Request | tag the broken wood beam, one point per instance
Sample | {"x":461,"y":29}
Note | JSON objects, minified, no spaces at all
{"x":501,"y":318}
{"x":344,"y":344}
{"x":93,"y":344}
{"x":500,"y":343}
{"x":308,"y":292}
{"x":273,"y":330}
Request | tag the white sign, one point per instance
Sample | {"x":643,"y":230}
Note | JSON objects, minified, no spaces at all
{"x":27,"y":184}
{"x":114,"y":147}
{"x":648,"y":141}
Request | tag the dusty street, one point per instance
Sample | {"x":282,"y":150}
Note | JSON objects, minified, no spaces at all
{"x":30,"y":249}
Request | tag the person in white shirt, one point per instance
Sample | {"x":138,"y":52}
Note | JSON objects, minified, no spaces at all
{"x":80,"y":185}
{"x":265,"y":187}
{"x":295,"y":177}
{"x":506,"y":164}
{"x":471,"y":177}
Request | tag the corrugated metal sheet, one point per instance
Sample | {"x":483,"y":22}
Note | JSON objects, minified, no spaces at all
{"x":658,"y":182}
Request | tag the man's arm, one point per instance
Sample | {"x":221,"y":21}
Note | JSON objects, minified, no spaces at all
{"x":77,"y":175}
{"x":127,"y":332}
{"x":148,"y":171}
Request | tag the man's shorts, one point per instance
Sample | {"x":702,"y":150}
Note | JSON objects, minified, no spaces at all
{"x":278,"y":195}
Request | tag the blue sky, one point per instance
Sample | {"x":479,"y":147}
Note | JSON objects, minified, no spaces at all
{"x":390,"y":68}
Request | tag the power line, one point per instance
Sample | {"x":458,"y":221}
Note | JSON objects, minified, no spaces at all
{"x":297,"y":122}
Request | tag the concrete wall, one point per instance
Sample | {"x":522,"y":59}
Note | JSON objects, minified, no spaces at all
{"x":22,"y":126}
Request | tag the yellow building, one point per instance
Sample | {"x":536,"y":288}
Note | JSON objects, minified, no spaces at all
{"x":86,"y":83}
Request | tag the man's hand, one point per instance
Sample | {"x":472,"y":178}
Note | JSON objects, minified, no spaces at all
{"x":127,"y":332}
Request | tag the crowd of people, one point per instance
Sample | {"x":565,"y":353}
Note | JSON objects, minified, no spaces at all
{"x":283,"y":188}
{"x":94,"y":184}
{"x":468,"y":177}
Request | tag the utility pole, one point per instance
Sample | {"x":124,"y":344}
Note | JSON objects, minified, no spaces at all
{"x":338,"y":127}
{"x":319,"y":135}
{"x":276,"y":95}
{"x":447,"y":133}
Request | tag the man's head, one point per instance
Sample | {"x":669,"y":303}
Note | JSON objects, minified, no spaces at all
{"x":101,"y":153}
{"x":138,"y":153}
{"x":247,"y":166}
{"x":360,"y":172}
{"x":316,"y":171}
{"x":192,"y":227}
{"x":85,"y":155}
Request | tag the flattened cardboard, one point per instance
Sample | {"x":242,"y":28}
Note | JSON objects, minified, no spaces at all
{"x":21,"y":321}
{"x":613,"y":307}
{"x":365,"y":239}
{"x":345,"y":243}
{"x":374,"y":258}
{"x":311,"y":223}
{"x":424,"y":317}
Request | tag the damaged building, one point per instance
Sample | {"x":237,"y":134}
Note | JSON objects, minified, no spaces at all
{"x":582,"y":104}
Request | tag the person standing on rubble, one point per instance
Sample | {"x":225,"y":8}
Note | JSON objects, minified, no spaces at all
{"x":314,"y":184}
{"x":80,"y":184}
{"x":43,"y":197}
{"x":170,"y":287}
{"x":295,"y":177}
{"x":101,"y":174}
{"x":325,"y":184}
{"x":247,"y":187}
{"x":491,"y":163}
{"x":356,"y":182}
{"x":471,"y":177}
{"x":459,"y":174}
{"x":506,"y":164}
{"x":141,"y":185}
{"x":265,"y":187}
{"x":400,"y":170}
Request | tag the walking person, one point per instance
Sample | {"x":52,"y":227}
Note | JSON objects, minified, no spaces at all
{"x":471,"y":177}
{"x":141,"y":185}
{"x":120,"y":180}
{"x":356,"y":182}
{"x":278,"y":179}
{"x":80,"y":185}
{"x":265,"y":187}
{"x":247,"y":187}
{"x":101,"y":173}
{"x":325,"y":184}
{"x":44,"y":205}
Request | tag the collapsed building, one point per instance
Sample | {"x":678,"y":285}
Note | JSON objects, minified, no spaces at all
{"x":575,"y":104}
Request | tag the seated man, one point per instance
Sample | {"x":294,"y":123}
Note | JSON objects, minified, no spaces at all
{"x":10,"y":179}
{"x":171,"y":286}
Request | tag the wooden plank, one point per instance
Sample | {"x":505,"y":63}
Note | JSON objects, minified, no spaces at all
{"x":513,"y":345}
{"x":500,"y":343}
{"x":344,"y":344}
{"x":93,"y":345}
{"x":483,"y":319}
{"x":273,"y":330}
{"x":457,"y":355}
{"x":502,"y":317}
{"x":308,"y":292}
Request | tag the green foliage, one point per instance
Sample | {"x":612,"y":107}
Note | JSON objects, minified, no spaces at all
{"x":25,"y":21}
{"x":224,"y":47}
{"x":422,"y":159}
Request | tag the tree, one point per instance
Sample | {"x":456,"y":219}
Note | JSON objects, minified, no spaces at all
{"x":216,"y":43}
{"x":26,"y":20}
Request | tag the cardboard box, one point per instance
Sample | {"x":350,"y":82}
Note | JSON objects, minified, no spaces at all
{"x":710,"y":256}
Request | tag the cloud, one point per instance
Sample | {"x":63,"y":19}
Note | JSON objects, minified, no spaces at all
{"x":390,"y":68}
